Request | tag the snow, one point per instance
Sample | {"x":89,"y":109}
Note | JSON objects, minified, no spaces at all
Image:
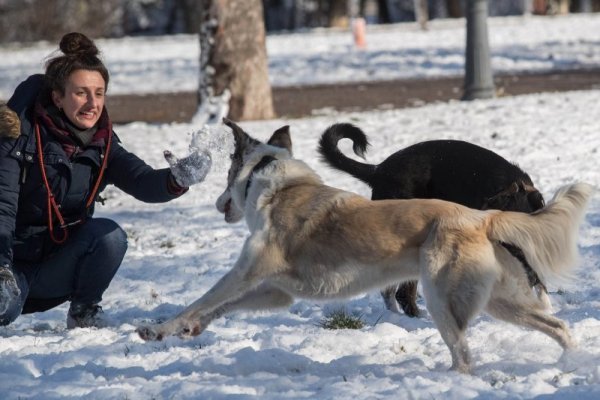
{"x":178,"y":250}
{"x":170,"y":63}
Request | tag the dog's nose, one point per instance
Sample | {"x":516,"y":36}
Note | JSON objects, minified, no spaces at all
{"x":227,"y":206}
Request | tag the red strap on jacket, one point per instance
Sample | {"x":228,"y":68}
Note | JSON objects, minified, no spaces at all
{"x":52,"y":206}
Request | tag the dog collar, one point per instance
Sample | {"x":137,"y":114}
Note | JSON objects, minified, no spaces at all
{"x":266,"y":160}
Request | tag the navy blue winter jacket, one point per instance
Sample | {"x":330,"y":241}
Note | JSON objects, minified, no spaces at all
{"x":24,"y":234}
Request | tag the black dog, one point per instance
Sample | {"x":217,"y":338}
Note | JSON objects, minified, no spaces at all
{"x":449,"y":170}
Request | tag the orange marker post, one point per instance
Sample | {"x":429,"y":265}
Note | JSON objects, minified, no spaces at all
{"x":358,"y":31}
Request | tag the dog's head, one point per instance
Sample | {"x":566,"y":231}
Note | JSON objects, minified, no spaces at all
{"x":519,"y":196}
{"x":247,"y":154}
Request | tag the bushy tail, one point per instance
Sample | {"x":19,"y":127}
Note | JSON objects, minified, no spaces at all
{"x":548,"y":237}
{"x":335,"y":158}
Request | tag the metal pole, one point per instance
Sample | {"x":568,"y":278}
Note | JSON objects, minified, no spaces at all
{"x":479,"y":83}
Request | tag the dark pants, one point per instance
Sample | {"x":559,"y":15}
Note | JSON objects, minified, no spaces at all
{"x":80,"y":271}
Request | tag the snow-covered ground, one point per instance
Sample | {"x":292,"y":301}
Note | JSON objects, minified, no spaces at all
{"x":178,"y":250}
{"x":170,"y":63}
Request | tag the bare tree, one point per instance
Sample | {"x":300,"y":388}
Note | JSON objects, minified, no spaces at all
{"x":31,"y":20}
{"x":234,"y":79}
{"x":454,"y":8}
{"x":421,"y":13}
{"x":337,"y":13}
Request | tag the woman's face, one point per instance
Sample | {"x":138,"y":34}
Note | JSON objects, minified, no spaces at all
{"x":83,"y":100}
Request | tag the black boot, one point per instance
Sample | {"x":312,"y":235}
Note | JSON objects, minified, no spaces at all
{"x":86,"y":316}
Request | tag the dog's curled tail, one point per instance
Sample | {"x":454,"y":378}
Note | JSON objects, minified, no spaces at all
{"x":548,"y":237}
{"x":336,"y":159}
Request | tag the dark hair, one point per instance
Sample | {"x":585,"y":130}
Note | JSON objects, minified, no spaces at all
{"x":79,"y":52}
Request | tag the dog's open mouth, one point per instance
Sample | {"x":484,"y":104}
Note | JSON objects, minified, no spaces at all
{"x":231,"y":211}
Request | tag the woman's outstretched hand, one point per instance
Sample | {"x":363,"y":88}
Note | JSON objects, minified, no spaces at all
{"x":189,"y":170}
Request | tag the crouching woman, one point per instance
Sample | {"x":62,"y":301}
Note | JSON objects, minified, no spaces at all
{"x":57,"y":153}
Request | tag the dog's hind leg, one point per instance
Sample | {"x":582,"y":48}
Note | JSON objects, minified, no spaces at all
{"x":511,"y":301}
{"x":530,"y":316}
{"x":457,"y":281}
{"x":542,"y":294}
{"x":532,"y":276}
{"x":451,"y":328}
{"x":452,"y":306}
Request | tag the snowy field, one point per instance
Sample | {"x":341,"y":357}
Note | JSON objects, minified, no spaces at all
{"x":178,"y":250}
{"x":170,"y":63}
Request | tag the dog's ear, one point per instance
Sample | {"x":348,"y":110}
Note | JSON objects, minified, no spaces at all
{"x":281,"y":138}
{"x":512,"y":189}
{"x":500,"y":201}
{"x":534,"y":197}
{"x":241,"y":137}
{"x":536,"y":200}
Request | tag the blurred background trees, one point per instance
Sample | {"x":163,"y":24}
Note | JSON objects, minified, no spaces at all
{"x":31,"y":20}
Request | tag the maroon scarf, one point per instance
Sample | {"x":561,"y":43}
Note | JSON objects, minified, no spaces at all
{"x":57,"y":126}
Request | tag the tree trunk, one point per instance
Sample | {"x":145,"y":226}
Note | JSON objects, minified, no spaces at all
{"x":233,"y":60}
{"x":454,"y":9}
{"x":421,"y":13}
{"x":384,"y":12}
{"x":338,"y":13}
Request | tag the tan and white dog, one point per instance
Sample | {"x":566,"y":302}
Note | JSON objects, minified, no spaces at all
{"x":310,"y":240}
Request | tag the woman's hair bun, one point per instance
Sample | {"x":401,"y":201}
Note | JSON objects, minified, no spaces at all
{"x":79,"y":52}
{"x":76,"y":43}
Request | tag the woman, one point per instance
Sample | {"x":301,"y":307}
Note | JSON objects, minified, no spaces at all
{"x":51,"y":173}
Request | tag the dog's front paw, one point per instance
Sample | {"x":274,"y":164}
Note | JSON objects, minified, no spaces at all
{"x":159,"y":331}
{"x":149,"y":333}
{"x":189,"y":330}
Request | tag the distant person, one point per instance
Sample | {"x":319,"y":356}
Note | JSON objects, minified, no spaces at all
{"x":52,"y":170}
